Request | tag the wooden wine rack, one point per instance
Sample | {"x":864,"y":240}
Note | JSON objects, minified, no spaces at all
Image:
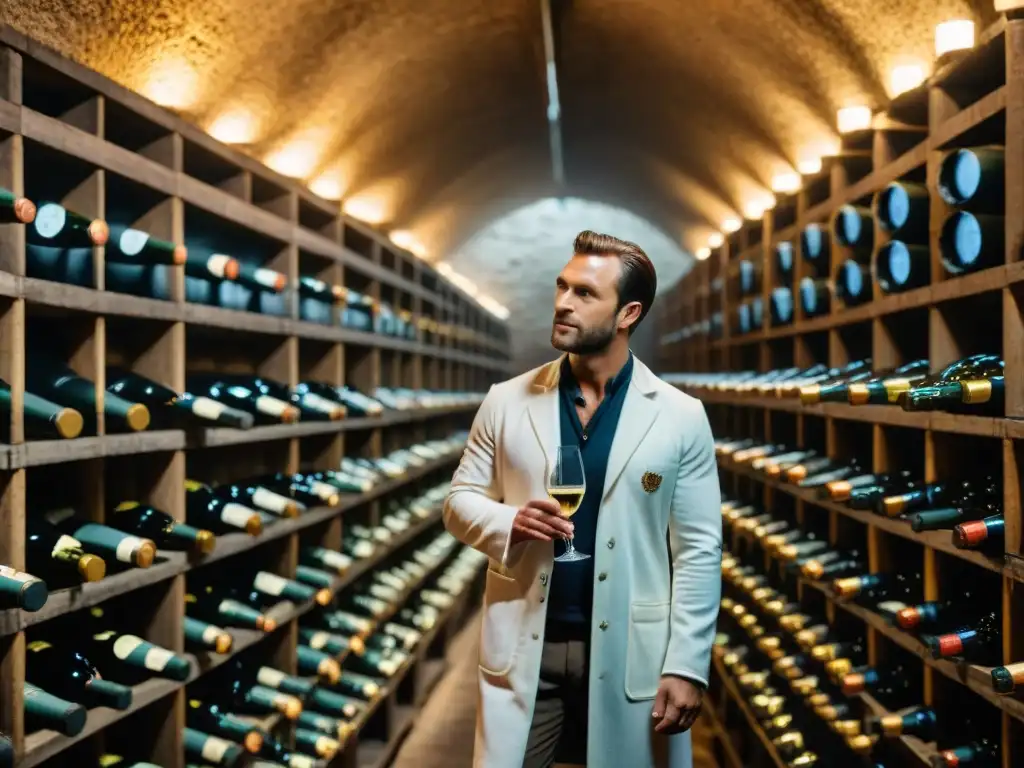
{"x":99,"y":148}
{"x":974,"y":98}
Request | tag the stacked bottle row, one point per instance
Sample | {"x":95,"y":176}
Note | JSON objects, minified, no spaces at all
{"x":58,"y":403}
{"x":963,"y":626}
{"x":972,"y":385}
{"x":64,"y":549}
{"x":52,"y":231}
{"x":812,"y":686}
{"x":969,"y":507}
{"x":350,"y":645}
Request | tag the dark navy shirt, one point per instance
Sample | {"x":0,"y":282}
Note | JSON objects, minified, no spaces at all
{"x":572,"y":584}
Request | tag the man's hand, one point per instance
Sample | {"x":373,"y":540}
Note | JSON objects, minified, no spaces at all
{"x":676,"y":706}
{"x":539,"y":521}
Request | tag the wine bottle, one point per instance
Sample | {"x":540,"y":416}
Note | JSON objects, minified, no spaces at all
{"x":312,"y":288}
{"x":244,"y":695}
{"x":970,"y":242}
{"x":815,"y":294}
{"x":157,"y":397}
{"x":920,"y":722}
{"x":886,"y":388}
{"x":375,"y":662}
{"x":297,"y":487}
{"x":358,"y":686}
{"x":314,"y":743}
{"x":133,"y":246}
{"x":888,"y":593}
{"x":266,"y":410}
{"x":935,"y":613}
{"x":902,"y":209}
{"x":814,"y":247}
{"x":979,"y":642}
{"x":891,"y":685}
{"x":287,"y":589}
{"x":749,"y":277}
{"x":924,"y":496}
{"x":151,"y":523}
{"x":211,"y":719}
{"x":69,"y":674}
{"x":260,"y":278}
{"x":53,"y":380}
{"x":853,"y":226}
{"x":55,"y":226}
{"x":58,"y":559}
{"x":780,"y":306}
{"x":255,"y":496}
{"x":15,"y":209}
{"x":213,"y":750}
{"x":784,"y":260}
{"x":971,"y":385}
{"x":205,"y":636}
{"x":214,"y":266}
{"x":987,"y":533}
{"x":314,"y":663}
{"x":315,"y":394}
{"x":45,"y":711}
{"x":43,"y":420}
{"x":853,"y":283}
{"x":900,"y":267}
{"x":215,"y":604}
{"x":972,"y":178}
{"x":21,"y":590}
{"x":128,"y":658}
{"x":980,"y":753}
{"x":331,"y":726}
{"x":112,"y":545}
{"x":311,"y":408}
{"x":319,"y":557}
{"x":938,"y":519}
{"x":1006,"y":678}
{"x":204,"y":508}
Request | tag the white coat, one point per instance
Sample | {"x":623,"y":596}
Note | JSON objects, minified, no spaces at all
{"x":657,"y":578}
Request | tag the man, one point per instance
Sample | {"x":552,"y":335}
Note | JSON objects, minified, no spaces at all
{"x":601,"y":662}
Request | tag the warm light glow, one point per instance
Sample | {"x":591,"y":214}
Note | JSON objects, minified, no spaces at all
{"x":853,"y":119}
{"x":702,"y":253}
{"x":237,"y":126}
{"x":716,"y":240}
{"x":172,"y":82}
{"x":368,"y":209}
{"x":905,"y":77}
{"x":468,"y":286}
{"x":407,"y":240}
{"x":731,"y":225}
{"x":954,"y":35}
{"x":328,"y":186}
{"x":500,"y":311}
{"x":754,"y":210}
{"x":809,"y":166}
{"x":296,"y":159}
{"x":786,"y":182}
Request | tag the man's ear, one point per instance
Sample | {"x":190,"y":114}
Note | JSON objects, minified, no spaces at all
{"x":629,"y":315}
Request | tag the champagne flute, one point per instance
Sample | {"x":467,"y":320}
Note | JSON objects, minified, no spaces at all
{"x":567,"y":483}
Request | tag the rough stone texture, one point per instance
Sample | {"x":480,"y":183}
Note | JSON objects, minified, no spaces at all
{"x":525,"y":250}
{"x":434,"y":110}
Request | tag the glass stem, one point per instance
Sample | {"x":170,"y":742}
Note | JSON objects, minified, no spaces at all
{"x":569,"y":547}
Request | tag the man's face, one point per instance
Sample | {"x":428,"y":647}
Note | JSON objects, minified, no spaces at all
{"x":586,"y":297}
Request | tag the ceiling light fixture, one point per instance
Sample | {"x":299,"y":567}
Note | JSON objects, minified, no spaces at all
{"x":954,"y":35}
{"x":849,"y":119}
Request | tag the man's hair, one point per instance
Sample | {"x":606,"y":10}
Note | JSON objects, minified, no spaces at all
{"x":639,"y":281}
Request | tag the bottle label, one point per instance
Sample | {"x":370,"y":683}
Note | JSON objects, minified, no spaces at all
{"x":37,"y":645}
{"x":270,"y":501}
{"x":50,"y":219}
{"x":319,"y":640}
{"x":65,"y":548}
{"x":271,"y":405}
{"x":323,"y":490}
{"x":318,"y":403}
{"x":335,"y":559}
{"x":14,"y":575}
{"x":126,"y":548}
{"x":211,"y":634}
{"x":132,"y":242}
{"x":214,"y":749}
{"x":268,"y":278}
{"x":153,"y":658}
{"x":217,"y":265}
{"x":271,"y":678}
{"x":206,"y":408}
{"x":235,"y":515}
{"x":269,"y":584}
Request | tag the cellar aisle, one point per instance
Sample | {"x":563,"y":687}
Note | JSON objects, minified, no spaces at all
{"x":443,"y":735}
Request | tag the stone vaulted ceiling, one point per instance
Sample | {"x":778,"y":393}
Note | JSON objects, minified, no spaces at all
{"x":429,"y":115}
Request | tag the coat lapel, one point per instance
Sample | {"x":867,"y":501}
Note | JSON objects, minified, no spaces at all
{"x":639,"y":412}
{"x":542,"y":409}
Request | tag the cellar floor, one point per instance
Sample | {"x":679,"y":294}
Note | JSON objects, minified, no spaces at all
{"x":443,"y":734}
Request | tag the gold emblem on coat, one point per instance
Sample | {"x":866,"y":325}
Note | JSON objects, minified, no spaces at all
{"x":651,"y":481}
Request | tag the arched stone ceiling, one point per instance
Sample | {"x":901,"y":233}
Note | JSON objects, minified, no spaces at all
{"x":430,"y":114}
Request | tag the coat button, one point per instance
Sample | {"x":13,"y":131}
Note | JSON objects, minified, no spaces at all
{"x":602,"y":576}
{"x":536,"y":636}
{"x":542,"y":599}
{"x":603,"y":625}
{"x":611,"y":543}
{"x":544,"y":579}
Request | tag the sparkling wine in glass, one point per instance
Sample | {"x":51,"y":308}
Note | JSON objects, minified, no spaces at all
{"x":567,"y":483}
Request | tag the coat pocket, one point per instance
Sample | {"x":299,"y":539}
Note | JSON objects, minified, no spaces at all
{"x":646,"y":648}
{"x":504,"y":603}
